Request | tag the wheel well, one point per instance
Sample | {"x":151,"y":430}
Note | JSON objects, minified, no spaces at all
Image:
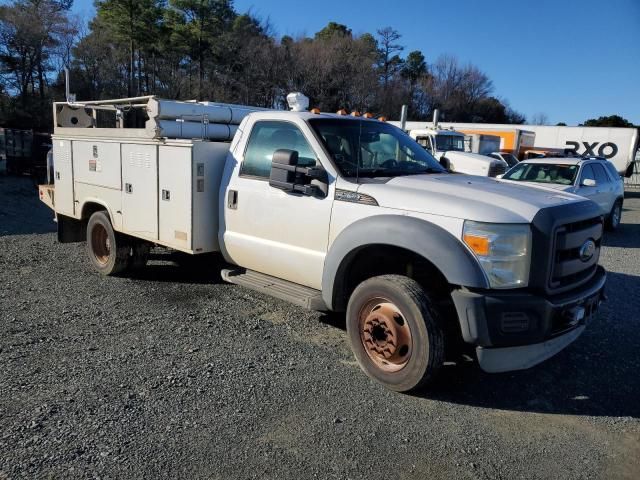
{"x":373,"y":260}
{"x":90,"y":208}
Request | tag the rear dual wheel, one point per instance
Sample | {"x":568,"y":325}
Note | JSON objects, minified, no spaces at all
{"x":111,"y":252}
{"x":395,"y":332}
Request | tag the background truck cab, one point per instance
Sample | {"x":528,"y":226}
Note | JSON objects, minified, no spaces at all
{"x":448,"y":146}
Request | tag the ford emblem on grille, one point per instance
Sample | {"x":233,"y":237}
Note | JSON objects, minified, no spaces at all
{"x":587,"y":250}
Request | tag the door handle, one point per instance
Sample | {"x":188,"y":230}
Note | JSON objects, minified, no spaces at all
{"x":232,"y":200}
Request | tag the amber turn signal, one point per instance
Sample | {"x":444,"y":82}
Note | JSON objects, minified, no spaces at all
{"x":480,"y":245}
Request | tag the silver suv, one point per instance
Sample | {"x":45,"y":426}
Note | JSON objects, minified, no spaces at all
{"x":592,"y":177}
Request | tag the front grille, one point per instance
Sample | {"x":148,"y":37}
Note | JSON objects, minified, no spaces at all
{"x":496,"y":169}
{"x":568,"y":269}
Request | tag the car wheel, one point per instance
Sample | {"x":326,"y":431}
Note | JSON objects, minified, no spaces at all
{"x":615,"y":216}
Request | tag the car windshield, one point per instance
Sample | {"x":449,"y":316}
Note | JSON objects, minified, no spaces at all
{"x":543,"y":173}
{"x":365,"y":148}
{"x":446,"y":143}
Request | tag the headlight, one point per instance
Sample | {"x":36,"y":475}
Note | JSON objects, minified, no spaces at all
{"x":503,"y":249}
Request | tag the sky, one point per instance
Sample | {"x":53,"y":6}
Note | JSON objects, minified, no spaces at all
{"x":569,"y":59}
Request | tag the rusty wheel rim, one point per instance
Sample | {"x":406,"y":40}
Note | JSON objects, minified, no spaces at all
{"x":100,"y":244}
{"x":385,"y":335}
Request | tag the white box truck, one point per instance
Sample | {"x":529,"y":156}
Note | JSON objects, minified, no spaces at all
{"x":336,"y":213}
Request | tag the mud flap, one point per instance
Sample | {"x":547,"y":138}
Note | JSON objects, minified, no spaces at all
{"x":71,"y":230}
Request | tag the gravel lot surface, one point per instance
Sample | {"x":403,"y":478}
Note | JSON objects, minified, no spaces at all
{"x":176,"y":375}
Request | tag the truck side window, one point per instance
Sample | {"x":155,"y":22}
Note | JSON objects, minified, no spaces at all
{"x":424,"y":141}
{"x":269,"y":136}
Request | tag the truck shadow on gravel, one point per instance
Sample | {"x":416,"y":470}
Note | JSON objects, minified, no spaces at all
{"x":626,"y":236}
{"x":595,"y":376}
{"x":174,"y":267}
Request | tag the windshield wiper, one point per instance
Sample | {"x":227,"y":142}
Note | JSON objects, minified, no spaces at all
{"x":427,"y":170}
{"x":391,"y":172}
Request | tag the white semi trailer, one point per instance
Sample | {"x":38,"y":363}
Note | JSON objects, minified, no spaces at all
{"x":335,"y":213}
{"x":618,"y":145}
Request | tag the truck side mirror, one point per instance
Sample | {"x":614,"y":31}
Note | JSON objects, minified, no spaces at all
{"x":588,"y":182}
{"x":286,"y":175}
{"x":283,"y":169}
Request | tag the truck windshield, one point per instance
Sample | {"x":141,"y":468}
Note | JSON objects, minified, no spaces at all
{"x":543,"y":173}
{"x":447,"y":143}
{"x":366,"y":148}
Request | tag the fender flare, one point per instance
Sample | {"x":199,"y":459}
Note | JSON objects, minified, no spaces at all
{"x":447,"y":253}
{"x":96,"y":201}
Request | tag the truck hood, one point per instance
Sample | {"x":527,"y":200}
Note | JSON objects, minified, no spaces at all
{"x":465,"y":196}
{"x":452,"y":155}
{"x":544,"y":186}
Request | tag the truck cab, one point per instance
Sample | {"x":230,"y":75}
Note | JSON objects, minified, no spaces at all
{"x":448,"y":146}
{"x":345,"y":214}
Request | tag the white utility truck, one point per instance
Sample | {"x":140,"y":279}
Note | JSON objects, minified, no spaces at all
{"x":448,"y":147}
{"x":335,"y":213}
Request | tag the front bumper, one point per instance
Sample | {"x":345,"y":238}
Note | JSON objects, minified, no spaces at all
{"x":513,"y":330}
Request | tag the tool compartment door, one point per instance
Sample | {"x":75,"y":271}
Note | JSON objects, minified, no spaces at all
{"x":140,"y":190}
{"x":63,"y":177}
{"x":176,"y":196}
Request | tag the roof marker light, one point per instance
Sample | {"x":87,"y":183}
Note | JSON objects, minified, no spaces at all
{"x":355,"y":113}
{"x":315,"y":110}
{"x":342,"y":111}
{"x":368,"y":115}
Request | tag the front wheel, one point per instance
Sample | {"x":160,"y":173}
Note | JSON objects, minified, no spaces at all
{"x":615,"y":216}
{"x":395,"y":332}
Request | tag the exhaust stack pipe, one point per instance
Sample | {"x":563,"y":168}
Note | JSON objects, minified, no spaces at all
{"x":69,"y":97}
{"x":404,"y":111}
{"x":436,"y":113}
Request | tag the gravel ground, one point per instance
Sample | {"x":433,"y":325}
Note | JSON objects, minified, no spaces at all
{"x":176,"y":375}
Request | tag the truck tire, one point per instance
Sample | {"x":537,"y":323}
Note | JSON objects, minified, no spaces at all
{"x":108,"y":251}
{"x":615,"y":216}
{"x":395,"y":332}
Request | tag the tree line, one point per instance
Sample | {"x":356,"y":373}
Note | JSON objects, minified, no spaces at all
{"x":206,"y":50}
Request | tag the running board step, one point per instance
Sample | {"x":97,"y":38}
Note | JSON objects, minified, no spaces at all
{"x":300,"y":295}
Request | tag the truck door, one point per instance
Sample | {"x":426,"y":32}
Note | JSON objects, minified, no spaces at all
{"x":266,"y":229}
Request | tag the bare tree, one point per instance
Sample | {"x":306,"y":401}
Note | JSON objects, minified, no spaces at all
{"x":539,"y":118}
{"x":389,"y":48}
